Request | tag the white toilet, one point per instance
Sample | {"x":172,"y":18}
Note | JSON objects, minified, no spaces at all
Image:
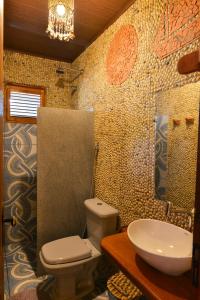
{"x":72,"y":260}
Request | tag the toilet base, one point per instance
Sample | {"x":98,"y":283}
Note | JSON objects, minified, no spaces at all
{"x":73,"y":280}
{"x":85,"y":287}
{"x":64,"y":289}
{"x":67,"y":289}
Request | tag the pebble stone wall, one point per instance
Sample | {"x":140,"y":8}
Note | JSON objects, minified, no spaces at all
{"x":124,"y":114}
{"x":35,"y":71}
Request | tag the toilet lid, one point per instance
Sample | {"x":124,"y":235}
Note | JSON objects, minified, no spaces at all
{"x":69,"y":249}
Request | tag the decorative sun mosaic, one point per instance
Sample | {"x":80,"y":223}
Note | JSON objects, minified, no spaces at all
{"x":122,"y":55}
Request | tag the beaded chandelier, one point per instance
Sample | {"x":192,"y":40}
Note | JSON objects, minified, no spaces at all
{"x":61,"y":20}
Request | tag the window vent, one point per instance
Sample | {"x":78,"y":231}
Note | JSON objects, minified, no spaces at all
{"x":24,"y":105}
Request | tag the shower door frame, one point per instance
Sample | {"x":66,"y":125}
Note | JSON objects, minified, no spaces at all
{"x":1,"y":147}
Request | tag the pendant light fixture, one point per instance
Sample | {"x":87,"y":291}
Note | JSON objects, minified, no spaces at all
{"x":61,"y":20}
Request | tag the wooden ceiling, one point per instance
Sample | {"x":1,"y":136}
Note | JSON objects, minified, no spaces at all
{"x":26,"y":23}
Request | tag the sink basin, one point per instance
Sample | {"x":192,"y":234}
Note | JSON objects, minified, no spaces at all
{"x":164,"y":246}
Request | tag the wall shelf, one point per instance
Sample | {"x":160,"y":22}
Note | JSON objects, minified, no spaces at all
{"x":189,"y":63}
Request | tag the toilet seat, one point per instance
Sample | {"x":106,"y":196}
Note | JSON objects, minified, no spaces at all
{"x":66,"y":250}
{"x":95,"y":253}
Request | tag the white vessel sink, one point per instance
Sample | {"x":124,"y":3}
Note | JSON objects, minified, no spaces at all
{"x":164,"y":246}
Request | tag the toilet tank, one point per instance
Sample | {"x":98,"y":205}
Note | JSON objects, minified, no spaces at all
{"x":101,"y":220}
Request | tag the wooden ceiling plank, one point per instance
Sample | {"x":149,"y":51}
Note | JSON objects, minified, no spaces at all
{"x":111,"y":21}
{"x":26,"y":23}
{"x":55,"y":50}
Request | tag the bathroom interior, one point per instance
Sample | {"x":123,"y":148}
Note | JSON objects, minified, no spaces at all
{"x":114,"y":141}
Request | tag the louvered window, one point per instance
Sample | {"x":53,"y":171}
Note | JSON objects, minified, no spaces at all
{"x":22,"y":103}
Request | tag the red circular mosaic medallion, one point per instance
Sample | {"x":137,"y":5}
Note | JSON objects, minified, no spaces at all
{"x":122,"y":55}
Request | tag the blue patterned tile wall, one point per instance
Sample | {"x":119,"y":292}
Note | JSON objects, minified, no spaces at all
{"x":20,"y":172}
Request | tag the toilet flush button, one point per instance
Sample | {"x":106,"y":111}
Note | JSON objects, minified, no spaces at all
{"x":99,"y":203}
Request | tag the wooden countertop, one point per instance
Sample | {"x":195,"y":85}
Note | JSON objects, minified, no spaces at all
{"x":154,"y":284}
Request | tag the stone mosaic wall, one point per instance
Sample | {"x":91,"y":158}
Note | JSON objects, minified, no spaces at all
{"x":124,"y":113}
{"x":164,"y":30}
{"x":122,"y":55}
{"x":179,"y":25}
{"x":36,"y":71}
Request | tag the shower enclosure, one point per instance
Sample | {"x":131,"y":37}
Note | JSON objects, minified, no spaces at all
{"x":63,"y":142}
